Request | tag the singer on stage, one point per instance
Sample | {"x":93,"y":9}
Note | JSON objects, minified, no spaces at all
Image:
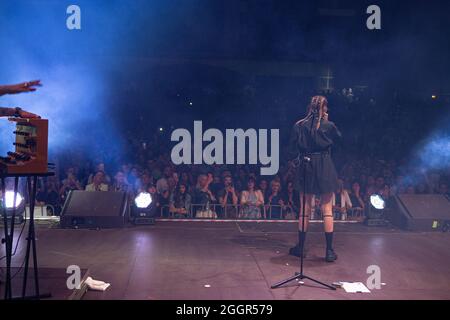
{"x":311,"y":142}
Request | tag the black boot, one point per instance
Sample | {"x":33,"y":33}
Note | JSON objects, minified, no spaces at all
{"x":330,"y":255}
{"x":295,"y":251}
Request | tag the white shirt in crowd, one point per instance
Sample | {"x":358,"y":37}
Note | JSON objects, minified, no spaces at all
{"x":100,"y":187}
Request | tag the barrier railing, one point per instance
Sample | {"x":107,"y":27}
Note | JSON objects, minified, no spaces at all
{"x":230,"y":211}
{"x":46,"y":210}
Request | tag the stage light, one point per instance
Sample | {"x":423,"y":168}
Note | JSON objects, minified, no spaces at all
{"x":377,"y":202}
{"x":143,"y":200}
{"x":143,"y":212}
{"x":9,"y":206}
{"x":9,"y":200}
{"x":375,"y":215}
{"x":161,"y":129}
{"x":434,"y":97}
{"x":190,"y":103}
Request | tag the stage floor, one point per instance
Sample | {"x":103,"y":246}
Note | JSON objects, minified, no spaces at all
{"x":240,"y":260}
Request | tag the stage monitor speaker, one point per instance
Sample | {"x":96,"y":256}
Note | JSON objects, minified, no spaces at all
{"x":420,"y":212}
{"x":95,"y":209}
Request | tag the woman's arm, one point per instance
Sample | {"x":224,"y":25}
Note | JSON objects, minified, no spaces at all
{"x":20,"y":87}
{"x":16,"y":112}
{"x":14,"y":89}
{"x":244,"y":197}
{"x":223,"y":200}
{"x":348,"y":202}
{"x":213,"y":198}
{"x":7,"y":112}
{"x":361,"y":202}
{"x":260,"y":198}
{"x":234,"y":196}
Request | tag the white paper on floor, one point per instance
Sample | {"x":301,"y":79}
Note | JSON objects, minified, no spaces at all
{"x":355,"y":287}
{"x":96,"y":284}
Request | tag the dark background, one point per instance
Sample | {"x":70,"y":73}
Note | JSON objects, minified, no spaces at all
{"x":136,"y":66}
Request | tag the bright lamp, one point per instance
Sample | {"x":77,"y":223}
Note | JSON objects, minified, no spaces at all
{"x":143,"y":200}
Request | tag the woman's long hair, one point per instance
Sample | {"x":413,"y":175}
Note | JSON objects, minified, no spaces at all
{"x":315,"y":111}
{"x":178,"y":196}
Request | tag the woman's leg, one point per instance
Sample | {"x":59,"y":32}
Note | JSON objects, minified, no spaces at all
{"x":328,"y":225}
{"x":307,"y":211}
{"x":327,"y":212}
{"x":298,"y":249}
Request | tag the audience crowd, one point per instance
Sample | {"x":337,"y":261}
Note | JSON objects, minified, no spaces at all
{"x":370,"y":160}
{"x":238,"y":191}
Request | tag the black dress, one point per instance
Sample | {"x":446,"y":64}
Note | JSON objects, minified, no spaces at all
{"x":321,"y":176}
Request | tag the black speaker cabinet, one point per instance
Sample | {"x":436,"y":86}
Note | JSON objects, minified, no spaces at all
{"x":420,"y":212}
{"x":95,"y":209}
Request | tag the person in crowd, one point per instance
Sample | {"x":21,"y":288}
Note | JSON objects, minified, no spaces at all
{"x":362,"y":183}
{"x":70,"y":171}
{"x":341,"y":201}
{"x":186,"y":179}
{"x":162,"y":185}
{"x":216,"y":184}
{"x":204,"y":198}
{"x":172,"y":183}
{"x":210,"y":178}
{"x":125,"y":168}
{"x":379,"y":184}
{"x":98,"y":183}
{"x":263,"y":186}
{"x":163,"y":199}
{"x":120,"y":183}
{"x":292,"y":197}
{"x":356,"y":199}
{"x":99,"y":167}
{"x":275,"y":203}
{"x":69,"y":184}
{"x":180,"y":202}
{"x":175,"y":179}
{"x":228,"y":198}
{"x":41,"y":194}
{"x":143,"y":182}
{"x":133,"y":177}
{"x":370,"y":188}
{"x":316,"y":208}
{"x":52,"y":199}
{"x":386,"y":192}
{"x":252,"y":201}
{"x":241,"y":179}
{"x":155,"y":207}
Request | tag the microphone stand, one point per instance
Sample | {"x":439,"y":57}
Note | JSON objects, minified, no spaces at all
{"x":300,"y":275}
